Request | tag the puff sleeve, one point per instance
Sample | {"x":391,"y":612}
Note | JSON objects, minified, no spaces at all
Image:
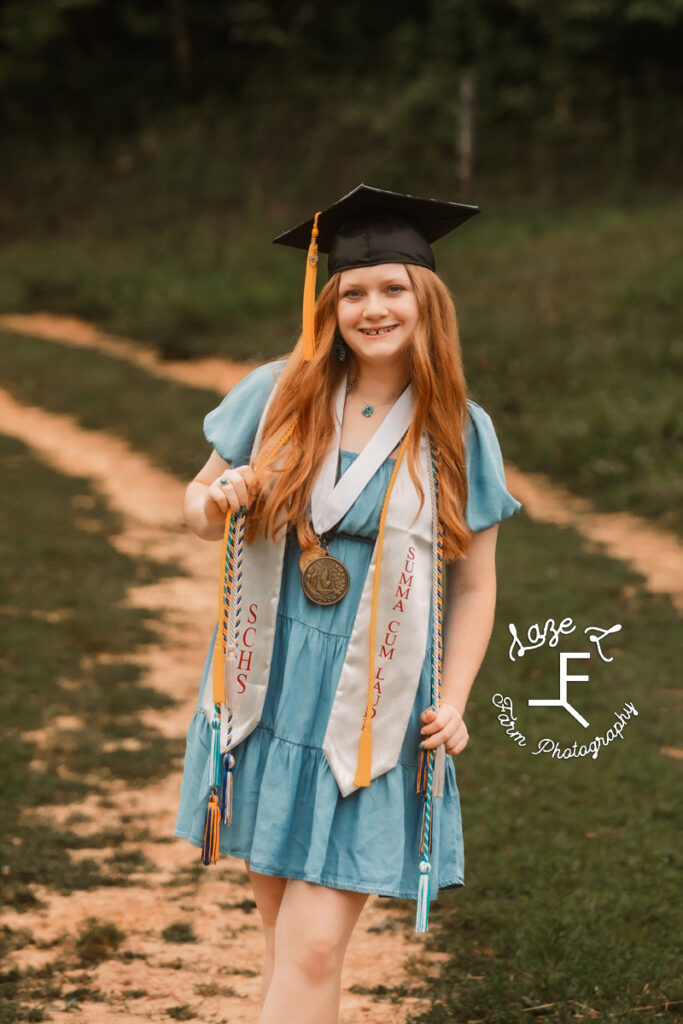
{"x":489,"y":500}
{"x":231,"y":427}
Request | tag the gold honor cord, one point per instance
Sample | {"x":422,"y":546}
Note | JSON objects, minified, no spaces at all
{"x":365,"y":749}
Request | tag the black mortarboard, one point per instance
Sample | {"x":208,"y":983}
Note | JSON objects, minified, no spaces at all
{"x":367,"y":227}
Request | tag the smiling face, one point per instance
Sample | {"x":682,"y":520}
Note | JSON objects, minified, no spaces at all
{"x":377,"y":312}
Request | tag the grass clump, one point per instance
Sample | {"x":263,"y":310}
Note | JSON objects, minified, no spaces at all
{"x":246,"y":906}
{"x":183,"y":1012}
{"x":179,"y":931}
{"x":13,"y":938}
{"x":98,"y":941}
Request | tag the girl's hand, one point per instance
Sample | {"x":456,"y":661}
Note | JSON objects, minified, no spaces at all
{"x":231,"y":495}
{"x":445,"y":726}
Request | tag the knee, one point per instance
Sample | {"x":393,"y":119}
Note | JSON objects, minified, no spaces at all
{"x":317,"y":958}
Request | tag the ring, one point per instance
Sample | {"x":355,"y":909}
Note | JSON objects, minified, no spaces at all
{"x":223,"y":480}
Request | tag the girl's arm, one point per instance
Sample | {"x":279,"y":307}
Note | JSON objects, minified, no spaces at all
{"x":468,"y":616}
{"x":467,"y":626}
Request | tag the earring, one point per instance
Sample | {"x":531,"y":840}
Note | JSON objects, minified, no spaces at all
{"x":339,"y":346}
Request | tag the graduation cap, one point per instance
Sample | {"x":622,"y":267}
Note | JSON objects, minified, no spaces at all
{"x":367,"y":227}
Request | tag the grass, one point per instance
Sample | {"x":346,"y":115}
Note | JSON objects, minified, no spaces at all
{"x":184,"y":1012}
{"x":571,"y":328}
{"x":158,"y":417}
{"x":66,"y":636}
{"x":98,"y":941}
{"x":572,"y":866}
{"x":571,"y":325}
{"x":573,"y":339}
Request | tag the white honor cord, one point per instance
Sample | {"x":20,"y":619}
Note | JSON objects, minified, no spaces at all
{"x":330,"y":502}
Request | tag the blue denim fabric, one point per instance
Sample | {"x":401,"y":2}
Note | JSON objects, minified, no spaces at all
{"x":289,"y":818}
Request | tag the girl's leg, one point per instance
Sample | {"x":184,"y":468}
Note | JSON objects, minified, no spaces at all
{"x":267,"y":895}
{"x":314,"y":925}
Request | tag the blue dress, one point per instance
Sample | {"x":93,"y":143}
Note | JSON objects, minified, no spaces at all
{"x":289,"y":818}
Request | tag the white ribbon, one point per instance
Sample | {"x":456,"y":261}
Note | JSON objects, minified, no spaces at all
{"x":400,"y":636}
{"x":329,"y":501}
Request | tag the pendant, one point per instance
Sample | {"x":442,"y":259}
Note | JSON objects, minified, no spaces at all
{"x":324,"y":578}
{"x":368,"y":410}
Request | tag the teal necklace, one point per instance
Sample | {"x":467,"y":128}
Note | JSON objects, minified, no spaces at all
{"x":367,"y":410}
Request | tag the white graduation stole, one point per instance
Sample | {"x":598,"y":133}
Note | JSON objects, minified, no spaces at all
{"x":404,"y":597}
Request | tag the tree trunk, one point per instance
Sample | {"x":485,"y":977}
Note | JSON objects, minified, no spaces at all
{"x":466,"y":99}
{"x":182,"y":50}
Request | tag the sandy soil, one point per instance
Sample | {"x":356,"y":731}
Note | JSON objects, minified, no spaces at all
{"x":200,"y":974}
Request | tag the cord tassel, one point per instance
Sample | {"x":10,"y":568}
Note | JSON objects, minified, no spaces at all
{"x":225,"y":805}
{"x":422,"y":911}
{"x":308,"y":344}
{"x":211,"y":831}
{"x":215,"y":755}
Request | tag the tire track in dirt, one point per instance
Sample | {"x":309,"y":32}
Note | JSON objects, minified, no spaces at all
{"x":220,"y":973}
{"x":655,"y":554}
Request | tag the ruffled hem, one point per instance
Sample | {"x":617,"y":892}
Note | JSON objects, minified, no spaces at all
{"x":291,"y":821}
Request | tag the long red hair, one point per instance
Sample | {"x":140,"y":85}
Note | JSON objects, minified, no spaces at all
{"x":305,"y":398}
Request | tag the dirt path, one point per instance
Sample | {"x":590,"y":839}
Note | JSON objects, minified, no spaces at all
{"x":215,"y":374}
{"x":223,"y":985}
{"x":655,"y":554}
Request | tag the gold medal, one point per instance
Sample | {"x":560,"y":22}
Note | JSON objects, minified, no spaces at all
{"x":324,"y":578}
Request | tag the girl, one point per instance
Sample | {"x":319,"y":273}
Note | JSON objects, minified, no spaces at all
{"x":358,"y":494}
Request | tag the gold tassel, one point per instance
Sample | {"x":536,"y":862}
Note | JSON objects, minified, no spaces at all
{"x":364,"y":759}
{"x":210,"y":846}
{"x":309,"y":294}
